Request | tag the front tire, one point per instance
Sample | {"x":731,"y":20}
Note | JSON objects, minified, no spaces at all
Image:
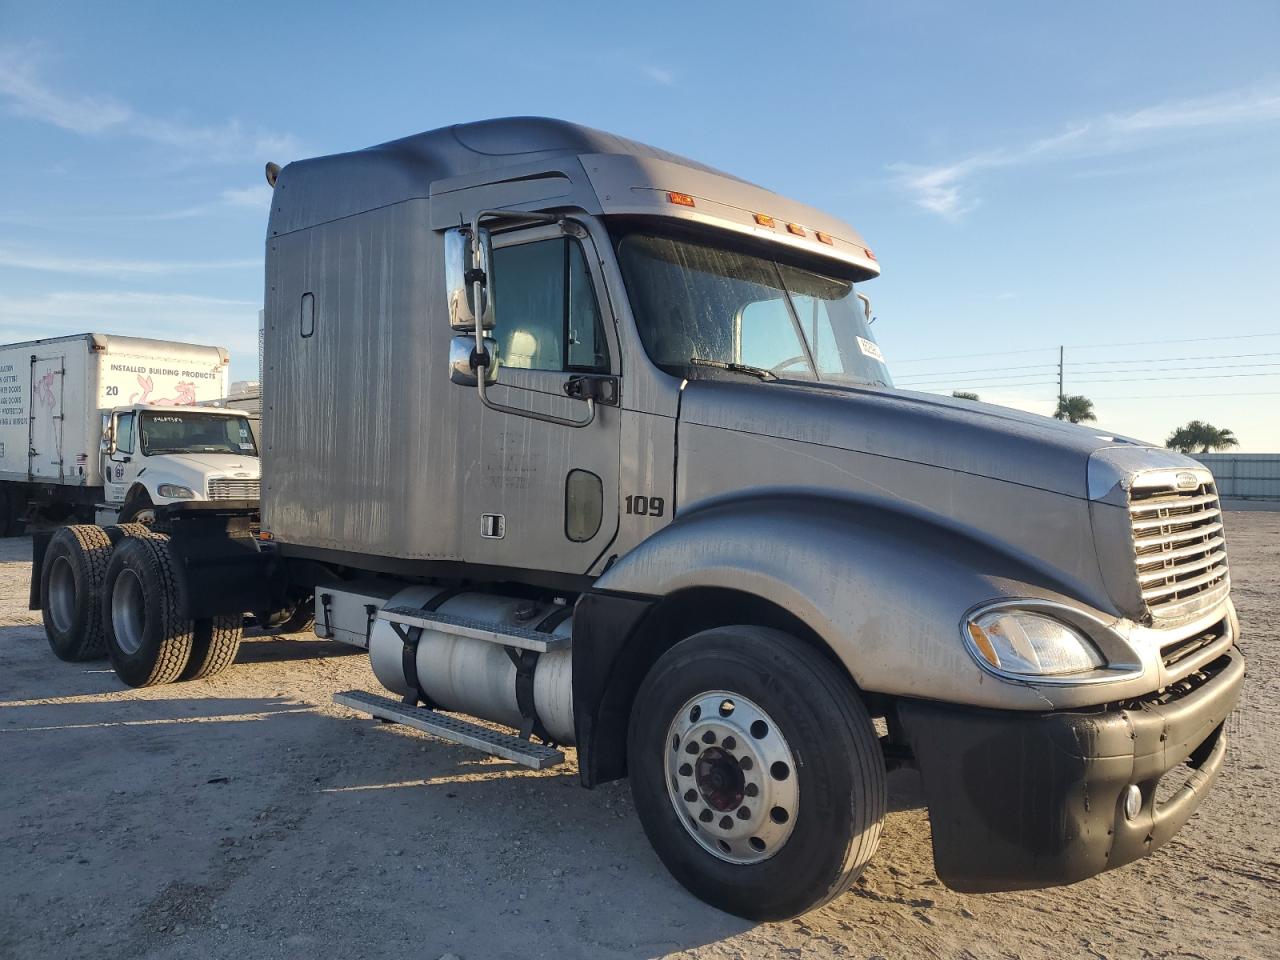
{"x":149,"y":640}
{"x":756,"y":772}
{"x":71,"y":581}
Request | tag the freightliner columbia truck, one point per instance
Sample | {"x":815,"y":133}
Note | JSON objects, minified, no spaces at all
{"x":594,"y":443}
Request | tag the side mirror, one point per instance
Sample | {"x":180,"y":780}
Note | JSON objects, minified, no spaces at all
{"x":466,"y":262}
{"x":866,"y":308}
{"x":108,"y":440}
{"x":461,"y":350}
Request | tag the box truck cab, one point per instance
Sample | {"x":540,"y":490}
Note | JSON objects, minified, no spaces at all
{"x":156,"y":455}
{"x":595,"y":442}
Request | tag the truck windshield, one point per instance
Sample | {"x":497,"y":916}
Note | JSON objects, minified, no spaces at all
{"x":172,"y":432}
{"x":695,"y":301}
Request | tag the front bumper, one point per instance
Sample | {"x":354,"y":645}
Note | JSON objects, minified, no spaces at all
{"x":1022,"y":800}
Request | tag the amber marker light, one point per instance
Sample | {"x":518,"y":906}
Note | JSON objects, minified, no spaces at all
{"x":983,"y":644}
{"x":680,"y":199}
{"x":870,"y":255}
{"x":763,"y":219}
{"x":824,"y":238}
{"x":796,"y":229}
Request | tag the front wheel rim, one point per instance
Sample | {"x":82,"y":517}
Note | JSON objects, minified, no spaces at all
{"x":731,"y":777}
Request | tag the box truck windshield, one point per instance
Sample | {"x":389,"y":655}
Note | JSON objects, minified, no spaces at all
{"x":170,"y":432}
{"x":698,"y":302}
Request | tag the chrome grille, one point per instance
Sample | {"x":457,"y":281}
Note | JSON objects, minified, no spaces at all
{"x":1179,"y":548}
{"x":226,"y":488}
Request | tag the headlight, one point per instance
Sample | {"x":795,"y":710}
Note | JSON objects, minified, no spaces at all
{"x":1032,"y":644}
{"x":175,"y":492}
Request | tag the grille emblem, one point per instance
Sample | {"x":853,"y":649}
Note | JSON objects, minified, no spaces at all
{"x":1188,"y":481}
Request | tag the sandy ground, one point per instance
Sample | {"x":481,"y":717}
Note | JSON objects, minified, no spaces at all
{"x":246,"y":816}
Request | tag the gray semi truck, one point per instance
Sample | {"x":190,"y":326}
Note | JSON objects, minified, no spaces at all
{"x":590,"y":444}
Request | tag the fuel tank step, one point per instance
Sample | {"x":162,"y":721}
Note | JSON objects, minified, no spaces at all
{"x":523,"y":638}
{"x":508,"y":747}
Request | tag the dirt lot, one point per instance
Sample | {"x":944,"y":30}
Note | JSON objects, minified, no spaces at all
{"x":246,"y":816}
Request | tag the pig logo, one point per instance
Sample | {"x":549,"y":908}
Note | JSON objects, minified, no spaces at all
{"x":147,"y":385}
{"x":44,"y":391}
{"x":184,"y":393}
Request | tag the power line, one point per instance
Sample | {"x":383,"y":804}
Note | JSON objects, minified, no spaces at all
{"x":1206,"y":356}
{"x":1198,"y":376}
{"x":1186,"y":396}
{"x":1211,"y":366}
{"x":933,"y":375}
{"x":1090,"y":346}
{"x":1071,"y":364}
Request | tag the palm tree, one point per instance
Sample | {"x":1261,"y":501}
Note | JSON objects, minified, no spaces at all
{"x":1200,"y":437}
{"x":964,"y":395}
{"x":1075,"y":408}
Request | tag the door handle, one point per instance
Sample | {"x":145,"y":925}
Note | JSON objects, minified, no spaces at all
{"x":603,"y":390}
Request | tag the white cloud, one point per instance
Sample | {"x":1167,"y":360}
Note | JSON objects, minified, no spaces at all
{"x":257,"y":197}
{"x":659,"y":75}
{"x":27,"y":95}
{"x":946,"y":189}
{"x":166,"y":316}
{"x":95,"y":266}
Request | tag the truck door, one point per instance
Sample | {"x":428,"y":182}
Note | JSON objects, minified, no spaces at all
{"x":540,"y":495}
{"x":44,"y":448}
{"x":118,"y":469}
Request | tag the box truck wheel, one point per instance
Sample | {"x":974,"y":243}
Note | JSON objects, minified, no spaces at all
{"x":71,"y":580}
{"x":756,"y":772}
{"x":139,"y":509}
{"x":149,"y":640}
{"x":214,"y":647}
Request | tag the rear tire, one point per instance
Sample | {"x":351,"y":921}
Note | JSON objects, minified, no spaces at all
{"x":774,"y":807}
{"x":149,"y":640}
{"x":71,"y":581}
{"x":215,"y":645}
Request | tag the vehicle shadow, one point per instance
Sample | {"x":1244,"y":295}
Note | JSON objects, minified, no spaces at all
{"x":269,"y":648}
{"x":378,"y":830}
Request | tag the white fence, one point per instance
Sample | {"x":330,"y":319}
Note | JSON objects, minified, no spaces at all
{"x":1245,"y":476}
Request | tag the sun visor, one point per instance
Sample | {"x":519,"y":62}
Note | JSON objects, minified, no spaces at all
{"x":645,"y":186}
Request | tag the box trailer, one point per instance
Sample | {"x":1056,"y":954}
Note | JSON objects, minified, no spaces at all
{"x":95,"y":426}
{"x":594,"y":442}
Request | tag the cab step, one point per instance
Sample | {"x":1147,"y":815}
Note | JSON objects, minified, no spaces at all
{"x":536,"y":756}
{"x":523,"y":638}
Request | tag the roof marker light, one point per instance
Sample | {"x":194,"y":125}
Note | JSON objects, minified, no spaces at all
{"x":824,"y":238}
{"x":796,"y":229}
{"x":680,"y":199}
{"x":763,"y":219}
{"x":870,"y":255}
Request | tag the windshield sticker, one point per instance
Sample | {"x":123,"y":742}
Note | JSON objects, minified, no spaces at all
{"x":870,"y":349}
{"x":246,"y":446}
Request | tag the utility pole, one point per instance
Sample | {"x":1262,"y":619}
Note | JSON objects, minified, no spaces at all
{"x":1061,"y":392}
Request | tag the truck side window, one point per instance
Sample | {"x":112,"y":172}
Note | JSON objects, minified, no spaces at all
{"x":124,"y":433}
{"x":545,"y":311}
{"x":588,"y":349}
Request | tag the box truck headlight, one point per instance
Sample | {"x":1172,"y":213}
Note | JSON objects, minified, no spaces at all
{"x":1030,"y":644}
{"x":175,"y":492}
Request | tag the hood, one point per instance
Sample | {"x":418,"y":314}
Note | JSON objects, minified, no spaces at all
{"x":192,"y":469}
{"x":962,"y":435}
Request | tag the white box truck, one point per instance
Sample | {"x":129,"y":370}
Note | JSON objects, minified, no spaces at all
{"x":102,"y":427}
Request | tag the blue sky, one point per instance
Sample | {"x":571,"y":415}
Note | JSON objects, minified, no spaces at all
{"x":1101,"y":176}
